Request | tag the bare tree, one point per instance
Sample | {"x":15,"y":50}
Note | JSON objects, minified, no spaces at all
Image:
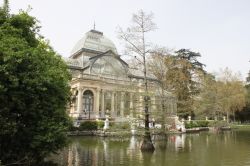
{"x":137,"y":46}
{"x":159,"y":63}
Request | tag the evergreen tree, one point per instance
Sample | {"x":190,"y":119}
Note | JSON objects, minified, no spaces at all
{"x":184,"y":78}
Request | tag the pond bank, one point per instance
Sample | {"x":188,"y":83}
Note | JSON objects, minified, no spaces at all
{"x":103,"y":133}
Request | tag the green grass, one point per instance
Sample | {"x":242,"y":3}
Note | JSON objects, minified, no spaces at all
{"x":240,"y":126}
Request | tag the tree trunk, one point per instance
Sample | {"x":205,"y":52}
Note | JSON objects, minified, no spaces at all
{"x":227,"y":117}
{"x":147,"y":144}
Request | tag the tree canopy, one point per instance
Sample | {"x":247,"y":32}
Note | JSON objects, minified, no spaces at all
{"x":183,"y":79}
{"x":34,"y":92}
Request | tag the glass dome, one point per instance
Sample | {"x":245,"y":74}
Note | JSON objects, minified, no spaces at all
{"x":94,"y":40}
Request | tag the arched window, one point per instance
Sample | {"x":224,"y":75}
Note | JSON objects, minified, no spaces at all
{"x":88,"y":102}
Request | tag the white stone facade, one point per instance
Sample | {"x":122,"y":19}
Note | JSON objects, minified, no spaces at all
{"x":103,"y":84}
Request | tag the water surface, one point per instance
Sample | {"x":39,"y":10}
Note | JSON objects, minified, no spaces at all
{"x":230,"y":148}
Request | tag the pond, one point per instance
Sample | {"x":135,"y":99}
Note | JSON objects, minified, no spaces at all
{"x":229,"y":148}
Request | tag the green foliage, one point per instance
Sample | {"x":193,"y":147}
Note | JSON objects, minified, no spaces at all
{"x":207,"y":104}
{"x":88,"y":125}
{"x":248,"y":78}
{"x":244,"y":115}
{"x":193,"y":124}
{"x":71,"y":126}
{"x":100,"y":124}
{"x":218,"y":124}
{"x":183,"y":75}
{"x":120,"y":126}
{"x":202,"y":123}
{"x":34,"y":92}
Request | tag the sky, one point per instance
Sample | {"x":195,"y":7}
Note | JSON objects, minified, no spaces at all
{"x":218,"y":29}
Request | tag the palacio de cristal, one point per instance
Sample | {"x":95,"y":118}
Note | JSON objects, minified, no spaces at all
{"x":103,"y":84}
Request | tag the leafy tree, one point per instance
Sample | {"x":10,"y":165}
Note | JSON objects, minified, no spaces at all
{"x":221,"y":95}
{"x":244,"y":114}
{"x":159,"y":63}
{"x":137,"y":45}
{"x":231,"y":92}
{"x":206,"y":104}
{"x":184,"y":79}
{"x":248,"y":78}
{"x":34,"y":92}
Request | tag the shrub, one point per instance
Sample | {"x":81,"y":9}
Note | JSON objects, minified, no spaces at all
{"x":88,"y":125}
{"x":193,"y":124}
{"x":218,"y":124}
{"x":72,"y":127}
{"x":202,"y":123}
{"x":120,"y":126}
{"x":100,"y":124}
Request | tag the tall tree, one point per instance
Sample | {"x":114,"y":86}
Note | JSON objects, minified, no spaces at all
{"x":231,"y":92}
{"x":248,"y":78}
{"x":207,"y":102}
{"x":244,"y":114}
{"x":184,"y":78}
{"x":34,"y":92}
{"x":137,"y":45}
{"x":159,"y":63}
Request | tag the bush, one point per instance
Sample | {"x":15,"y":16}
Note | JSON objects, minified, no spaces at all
{"x":189,"y":125}
{"x":88,"y":125}
{"x":120,"y":126}
{"x":202,"y":123}
{"x":71,"y":126}
{"x":193,"y":124}
{"x":218,"y":124}
{"x":100,"y":124}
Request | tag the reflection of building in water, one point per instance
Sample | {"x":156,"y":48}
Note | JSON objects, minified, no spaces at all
{"x":134,"y":143}
{"x":73,"y":155}
{"x":178,"y":141}
{"x":102,"y":81}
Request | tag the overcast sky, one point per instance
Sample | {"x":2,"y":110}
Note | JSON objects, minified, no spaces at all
{"x":218,"y":29}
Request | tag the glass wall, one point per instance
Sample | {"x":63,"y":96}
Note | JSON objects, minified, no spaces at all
{"x":108,"y":66}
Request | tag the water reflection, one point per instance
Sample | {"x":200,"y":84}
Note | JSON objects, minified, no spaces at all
{"x":227,"y":148}
{"x":178,"y":141}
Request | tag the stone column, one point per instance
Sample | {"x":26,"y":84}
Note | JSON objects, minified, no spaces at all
{"x":131,"y":104}
{"x":79,"y":101}
{"x":102,"y":104}
{"x":113,"y":104}
{"x":153,"y":102}
{"x":141,"y":103}
{"x":97,"y":103}
{"x":122,"y":104}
